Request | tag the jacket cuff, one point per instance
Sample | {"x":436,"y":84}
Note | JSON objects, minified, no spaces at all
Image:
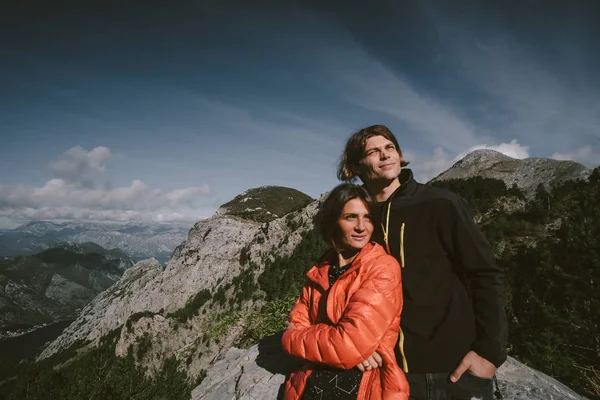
{"x":493,"y":353}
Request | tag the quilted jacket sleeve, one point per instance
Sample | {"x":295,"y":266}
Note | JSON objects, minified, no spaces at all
{"x":299,"y":315}
{"x":369,"y":313}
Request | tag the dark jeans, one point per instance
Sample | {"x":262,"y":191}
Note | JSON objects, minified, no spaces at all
{"x":437,"y":386}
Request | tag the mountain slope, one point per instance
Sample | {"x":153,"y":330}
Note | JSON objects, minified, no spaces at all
{"x":55,"y":284}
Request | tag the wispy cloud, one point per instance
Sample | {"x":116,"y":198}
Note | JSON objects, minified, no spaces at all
{"x":509,"y":96}
{"x":373,"y":86}
{"x":548,"y":99}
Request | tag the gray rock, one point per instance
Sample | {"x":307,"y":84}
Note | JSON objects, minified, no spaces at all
{"x":519,"y":382}
{"x":237,"y":376}
{"x":259,"y":373}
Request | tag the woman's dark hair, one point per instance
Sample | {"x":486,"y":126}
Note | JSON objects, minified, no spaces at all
{"x":331,"y":209}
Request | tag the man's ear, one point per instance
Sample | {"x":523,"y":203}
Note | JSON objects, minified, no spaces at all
{"x":403,"y":163}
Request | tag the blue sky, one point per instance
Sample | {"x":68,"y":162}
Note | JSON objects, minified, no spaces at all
{"x":164,"y":110}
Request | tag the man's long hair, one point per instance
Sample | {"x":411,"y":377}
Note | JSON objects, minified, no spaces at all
{"x":348,"y":166}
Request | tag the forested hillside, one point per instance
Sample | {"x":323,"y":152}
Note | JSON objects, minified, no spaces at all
{"x":550,"y":250}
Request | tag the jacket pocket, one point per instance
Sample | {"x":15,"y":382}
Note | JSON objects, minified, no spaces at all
{"x":471,"y":386}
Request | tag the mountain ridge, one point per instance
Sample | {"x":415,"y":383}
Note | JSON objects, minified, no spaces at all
{"x":526,"y":174}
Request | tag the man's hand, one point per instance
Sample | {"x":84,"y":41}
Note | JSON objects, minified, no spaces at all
{"x":478,"y":366}
{"x":291,"y":326}
{"x":374,"y":361}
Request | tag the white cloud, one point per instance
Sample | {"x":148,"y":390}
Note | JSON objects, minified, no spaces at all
{"x":512,"y":149}
{"x":8,"y":217}
{"x":72,"y":195}
{"x":82,"y":167}
{"x":584,"y":155}
{"x":426,"y":167}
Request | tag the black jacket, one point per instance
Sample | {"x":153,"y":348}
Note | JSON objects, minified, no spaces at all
{"x":453,"y":289}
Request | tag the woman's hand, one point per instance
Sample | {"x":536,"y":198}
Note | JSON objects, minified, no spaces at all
{"x":374,"y":361}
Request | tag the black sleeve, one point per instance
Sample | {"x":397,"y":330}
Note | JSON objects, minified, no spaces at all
{"x":473,"y":256}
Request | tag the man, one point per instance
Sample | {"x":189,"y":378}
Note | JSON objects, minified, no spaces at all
{"x":453,"y":330}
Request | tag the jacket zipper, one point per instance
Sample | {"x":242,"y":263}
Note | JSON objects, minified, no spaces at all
{"x":385,"y":230}
{"x":401,"y":341}
{"x":365,"y":385}
{"x":402,"y":245}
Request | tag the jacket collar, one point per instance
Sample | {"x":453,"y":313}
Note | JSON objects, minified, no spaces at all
{"x":408,"y":187}
{"x":319,"y":274}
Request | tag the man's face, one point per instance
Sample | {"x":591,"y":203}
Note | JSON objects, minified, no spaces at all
{"x":381,"y":160}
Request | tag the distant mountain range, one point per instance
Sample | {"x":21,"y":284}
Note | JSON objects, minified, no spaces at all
{"x":55,"y":284}
{"x":138,"y":240}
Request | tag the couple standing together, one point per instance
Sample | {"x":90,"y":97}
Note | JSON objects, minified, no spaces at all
{"x":407,"y":300}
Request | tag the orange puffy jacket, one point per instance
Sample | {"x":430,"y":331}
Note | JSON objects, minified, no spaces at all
{"x":362,"y":316}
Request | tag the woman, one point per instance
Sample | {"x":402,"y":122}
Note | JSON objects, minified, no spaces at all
{"x":348,"y":314}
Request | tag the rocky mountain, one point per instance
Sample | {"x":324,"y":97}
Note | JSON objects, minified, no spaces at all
{"x":138,"y":240}
{"x":526,"y":174}
{"x":231,"y":282}
{"x":55,"y":284}
{"x":265,"y":203}
{"x":188,"y":309}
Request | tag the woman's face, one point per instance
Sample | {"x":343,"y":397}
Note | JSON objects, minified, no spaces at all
{"x":355,"y":226}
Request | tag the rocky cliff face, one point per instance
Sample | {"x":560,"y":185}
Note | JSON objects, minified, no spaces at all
{"x":527,"y":174}
{"x":259,"y":373}
{"x":54,"y":284}
{"x":185,"y":310}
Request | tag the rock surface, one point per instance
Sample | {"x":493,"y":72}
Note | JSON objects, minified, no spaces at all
{"x":519,"y":382}
{"x":527,"y":174}
{"x":259,"y":373}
